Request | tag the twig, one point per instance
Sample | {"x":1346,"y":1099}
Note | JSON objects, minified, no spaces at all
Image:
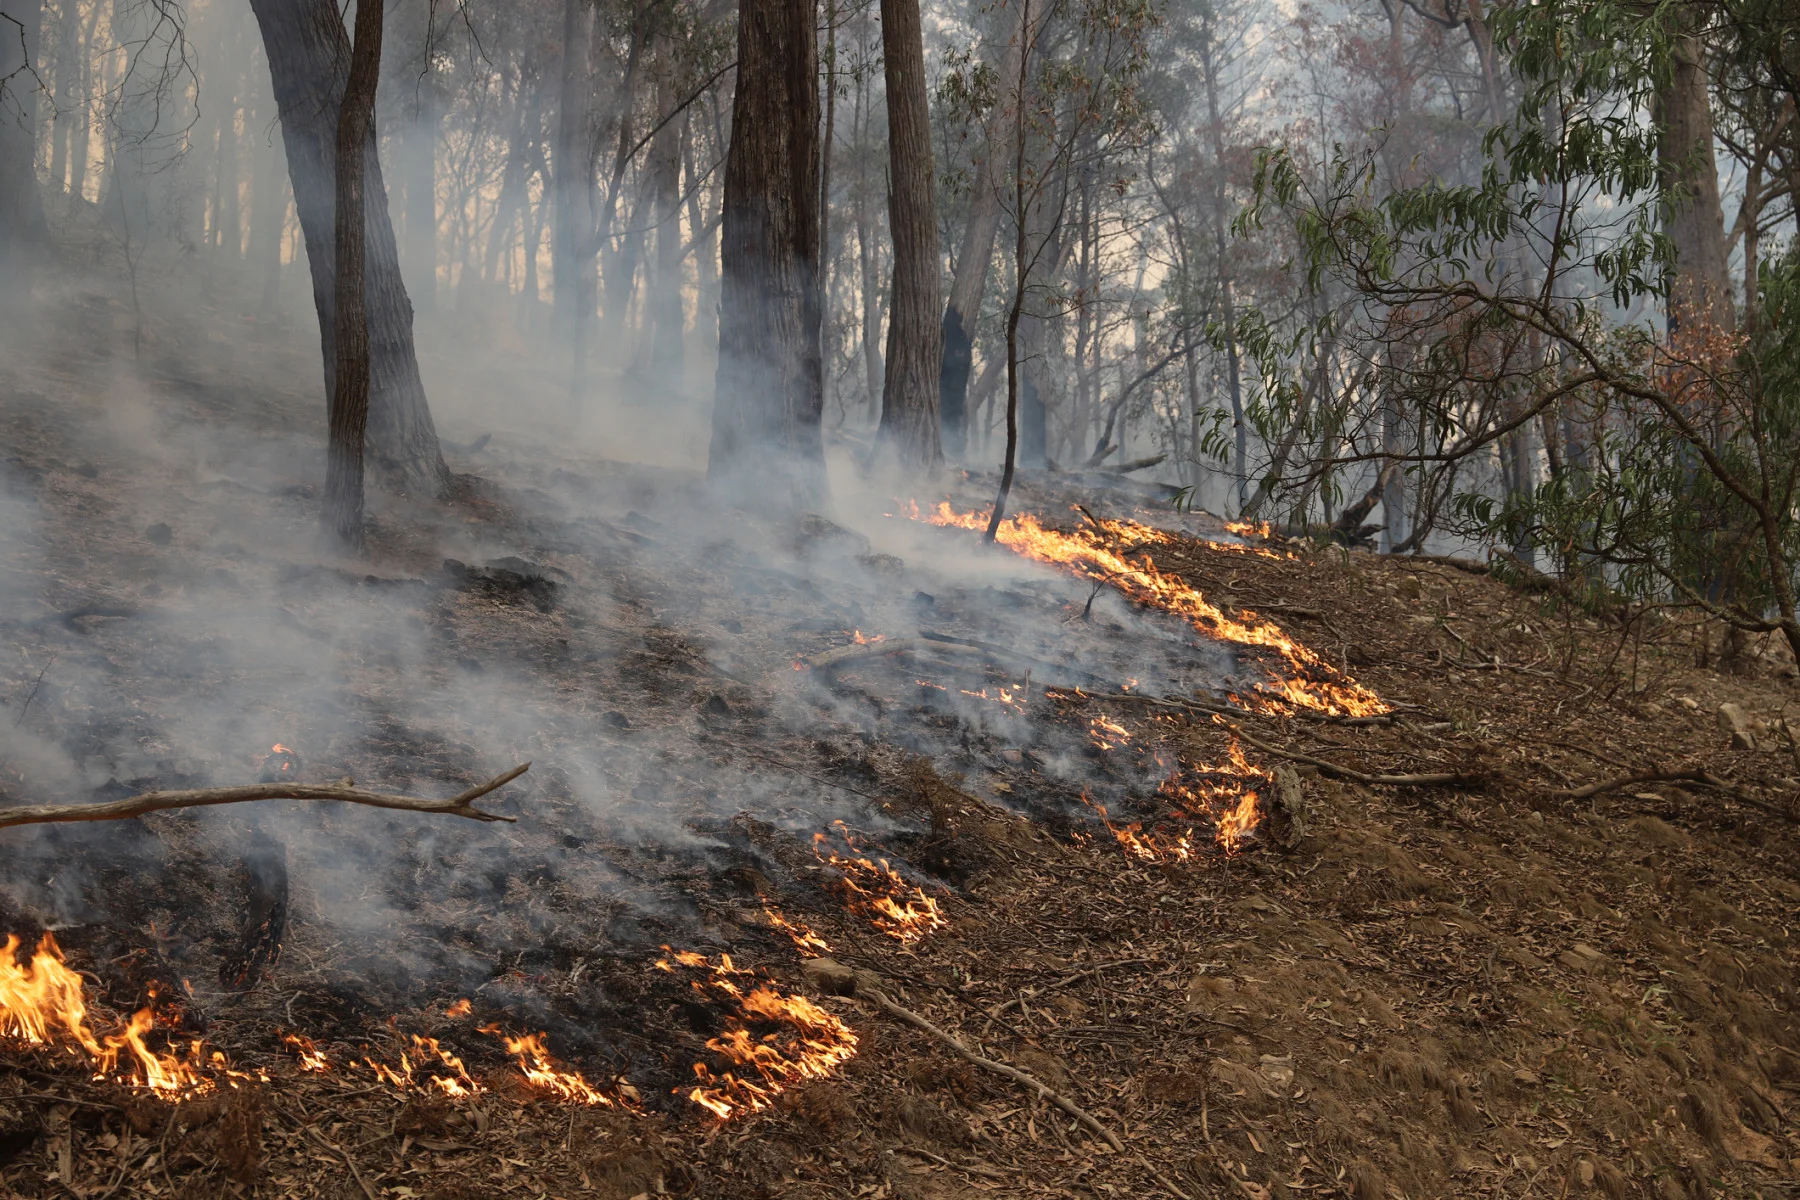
{"x":970,"y":1168}
{"x":32,"y":694}
{"x":348,"y":1161}
{"x":1653,"y":775}
{"x":1432,"y":779}
{"x":1042,"y":1089}
{"x":459,"y":805}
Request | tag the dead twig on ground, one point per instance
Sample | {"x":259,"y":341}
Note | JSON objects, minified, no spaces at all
{"x":32,"y":694}
{"x":459,"y":805}
{"x":1677,"y":775}
{"x":1042,"y":1089}
{"x":1326,"y":767}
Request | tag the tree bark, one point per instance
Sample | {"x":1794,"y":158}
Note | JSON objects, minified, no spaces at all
{"x":1694,"y":218}
{"x":909,"y":397}
{"x":974,"y":260}
{"x":343,"y":508}
{"x":574,"y":288}
{"x":417,"y":150}
{"x":309,"y":55}
{"x":22,"y":230}
{"x":668,"y":316}
{"x":69,"y":50}
{"x":767,"y":447}
{"x":268,"y":208}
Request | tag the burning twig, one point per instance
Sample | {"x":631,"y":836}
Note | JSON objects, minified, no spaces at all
{"x":459,"y":805}
{"x":1431,"y":779}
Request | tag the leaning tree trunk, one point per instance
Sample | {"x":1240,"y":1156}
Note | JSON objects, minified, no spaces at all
{"x":22,"y":232}
{"x":343,"y":509}
{"x":309,"y":57}
{"x":909,"y":394}
{"x":769,"y":392}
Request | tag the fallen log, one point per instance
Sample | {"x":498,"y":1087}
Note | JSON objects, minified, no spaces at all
{"x":459,"y":805}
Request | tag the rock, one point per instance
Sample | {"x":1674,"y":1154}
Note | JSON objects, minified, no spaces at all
{"x":1410,"y":588}
{"x":830,"y":976}
{"x":716,"y":706}
{"x":1277,"y":1069}
{"x":616,"y":720}
{"x":159,"y":534}
{"x":1733,"y":721}
{"x":1582,"y":957}
{"x":883,"y":564}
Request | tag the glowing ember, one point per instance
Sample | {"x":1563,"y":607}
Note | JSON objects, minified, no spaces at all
{"x":805,"y":1042}
{"x":459,"y":1009}
{"x":424,"y":1066}
{"x":875,"y":890}
{"x":1107,"y":733}
{"x":867,"y":641}
{"x":1087,"y":553}
{"x":43,"y":1003}
{"x":1012,"y":698}
{"x":1258,"y":529}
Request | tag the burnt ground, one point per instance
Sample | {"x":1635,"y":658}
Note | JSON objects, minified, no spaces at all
{"x":1422,"y":991}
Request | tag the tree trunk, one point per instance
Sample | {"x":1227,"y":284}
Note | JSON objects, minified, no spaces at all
{"x":268,"y":210}
{"x":1693,"y":218}
{"x":705,"y":248}
{"x":767,"y":447}
{"x":22,"y":229}
{"x":909,"y":397}
{"x":668,"y":318}
{"x":227,"y":218}
{"x":343,"y":507}
{"x":309,"y":54}
{"x":80,"y":133}
{"x":574,"y":289}
{"x":1227,"y":296}
{"x":973,"y":262}
{"x":415,"y":147}
{"x":69,"y":50}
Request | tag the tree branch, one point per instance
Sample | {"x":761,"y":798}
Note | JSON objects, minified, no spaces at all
{"x":459,"y":805}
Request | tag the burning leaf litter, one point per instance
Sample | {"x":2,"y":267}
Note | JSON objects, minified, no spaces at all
{"x":798,"y":1042}
{"x":872,"y":888}
{"x":1089,"y":553}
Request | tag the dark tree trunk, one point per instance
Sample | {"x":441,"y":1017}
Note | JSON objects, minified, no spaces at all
{"x":909,"y":395}
{"x":769,"y":396}
{"x":343,"y":509}
{"x":309,"y":56}
{"x":418,"y":152}
{"x":22,"y":232}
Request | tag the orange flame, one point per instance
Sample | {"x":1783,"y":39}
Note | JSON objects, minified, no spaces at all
{"x":810,"y":944}
{"x":809,"y":1043}
{"x":535,"y":1064}
{"x":43,"y":1003}
{"x":875,"y":890}
{"x":1086,"y":553}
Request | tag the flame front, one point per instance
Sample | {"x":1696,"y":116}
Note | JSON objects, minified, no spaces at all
{"x":805,"y":1041}
{"x":43,"y":1003}
{"x":1086,"y":552}
{"x":873,"y":889}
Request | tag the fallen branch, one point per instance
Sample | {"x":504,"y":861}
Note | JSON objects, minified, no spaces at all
{"x":1043,"y":1090}
{"x":460,"y":805}
{"x":1676,"y":775}
{"x":1431,"y":779}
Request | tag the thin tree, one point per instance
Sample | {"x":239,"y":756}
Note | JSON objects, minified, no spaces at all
{"x":343,"y":510}
{"x":909,"y":394}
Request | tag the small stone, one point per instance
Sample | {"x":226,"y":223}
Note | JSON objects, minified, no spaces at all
{"x":715,"y":706}
{"x":1733,"y":721}
{"x":1584,"y":1173}
{"x":829,"y":976}
{"x":616,"y":720}
{"x":1410,"y":588}
{"x":159,"y":534}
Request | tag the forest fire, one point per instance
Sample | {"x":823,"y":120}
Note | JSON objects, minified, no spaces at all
{"x":1314,"y":685}
{"x":873,"y":889}
{"x":1215,"y":793}
{"x":800,"y":1042}
{"x":43,"y":1003}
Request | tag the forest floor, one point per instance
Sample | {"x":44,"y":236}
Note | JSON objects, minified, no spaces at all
{"x":1493,"y":989}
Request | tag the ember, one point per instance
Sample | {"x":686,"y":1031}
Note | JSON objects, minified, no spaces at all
{"x":1086,"y":553}
{"x":873,"y":889}
{"x":804,"y":1042}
